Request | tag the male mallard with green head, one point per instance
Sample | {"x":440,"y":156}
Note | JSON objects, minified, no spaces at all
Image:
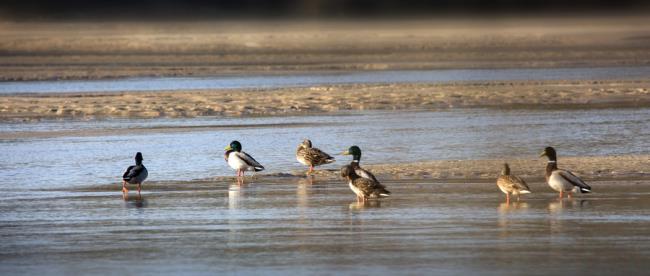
{"x":364,"y":188}
{"x":355,"y":151}
{"x":562,"y":180}
{"x":239,"y":160}
{"x":312,"y":157}
{"x":510,"y":184}
{"x":135,"y":174}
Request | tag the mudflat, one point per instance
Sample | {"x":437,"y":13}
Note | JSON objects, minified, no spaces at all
{"x":328,"y":99}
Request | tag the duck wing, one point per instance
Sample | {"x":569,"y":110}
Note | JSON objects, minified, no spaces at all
{"x":365,"y":174}
{"x":574,"y":180}
{"x":369,"y":187}
{"x":517,"y":183}
{"x":132,"y":171}
{"x":250,"y":161}
{"x":317,"y":156}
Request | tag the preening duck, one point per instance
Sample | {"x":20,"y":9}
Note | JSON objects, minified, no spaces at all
{"x":364,"y":188}
{"x":134,"y":174}
{"x":562,"y":180}
{"x":312,"y":157}
{"x":511,"y":184}
{"x":355,"y":151}
{"x":239,"y":160}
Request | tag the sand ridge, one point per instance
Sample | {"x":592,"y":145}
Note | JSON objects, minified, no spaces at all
{"x":328,"y":99}
{"x":590,"y":168}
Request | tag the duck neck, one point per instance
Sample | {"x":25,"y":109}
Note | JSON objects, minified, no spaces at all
{"x":356,"y":158}
{"x":550,"y":167}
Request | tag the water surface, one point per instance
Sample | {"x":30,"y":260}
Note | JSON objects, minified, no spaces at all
{"x":301,"y":225}
{"x":96,"y":152}
{"x":274,"y":81}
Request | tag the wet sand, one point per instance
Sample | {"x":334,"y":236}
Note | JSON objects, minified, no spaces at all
{"x":277,"y":225}
{"x":55,"y":50}
{"x":329,"y":99}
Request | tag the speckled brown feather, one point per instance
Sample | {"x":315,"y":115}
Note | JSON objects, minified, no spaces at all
{"x":313,"y":156}
{"x":512,"y":184}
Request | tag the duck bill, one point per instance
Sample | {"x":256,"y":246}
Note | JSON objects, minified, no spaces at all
{"x":227,"y":148}
{"x":542,"y":154}
{"x":346,"y":152}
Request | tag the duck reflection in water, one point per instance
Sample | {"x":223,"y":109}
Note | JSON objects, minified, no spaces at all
{"x":360,"y":205}
{"x":235,"y":192}
{"x":557,"y":207}
{"x":137,"y":201}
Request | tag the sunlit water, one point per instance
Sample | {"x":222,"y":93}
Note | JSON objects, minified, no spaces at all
{"x":299,"y":225}
{"x":184,"y":149}
{"x":270,"y":81}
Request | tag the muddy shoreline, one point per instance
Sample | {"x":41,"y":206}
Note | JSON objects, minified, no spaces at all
{"x":329,"y":99}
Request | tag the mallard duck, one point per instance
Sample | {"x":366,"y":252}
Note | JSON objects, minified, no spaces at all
{"x":510,"y":184}
{"x":135,"y":174}
{"x":356,"y":159}
{"x":364,"y":188}
{"x":312,"y":157}
{"x":239,"y":160}
{"x":562,"y":180}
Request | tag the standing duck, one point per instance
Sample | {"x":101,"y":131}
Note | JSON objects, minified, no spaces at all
{"x":562,"y":180}
{"x":356,"y":159}
{"x":134,"y":174}
{"x":364,"y":188}
{"x":510,"y":184}
{"x":239,"y":160}
{"x":312,"y":157}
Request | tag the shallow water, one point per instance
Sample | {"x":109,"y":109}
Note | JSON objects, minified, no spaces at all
{"x":81,"y":153}
{"x":272,"y":81}
{"x":277,"y":225}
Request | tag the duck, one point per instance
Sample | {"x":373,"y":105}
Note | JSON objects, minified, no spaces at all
{"x":309,"y":156}
{"x":135,"y":174}
{"x":562,"y":180}
{"x":511,"y":184}
{"x":239,"y":160}
{"x":355,"y":151}
{"x":364,"y":188}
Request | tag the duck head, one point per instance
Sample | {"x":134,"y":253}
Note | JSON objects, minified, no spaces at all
{"x":234,"y":146}
{"x":550,"y":153}
{"x":138,"y":158}
{"x":306,"y":144}
{"x":355,"y":152}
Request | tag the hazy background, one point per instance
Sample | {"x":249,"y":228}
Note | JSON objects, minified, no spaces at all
{"x":38,"y":10}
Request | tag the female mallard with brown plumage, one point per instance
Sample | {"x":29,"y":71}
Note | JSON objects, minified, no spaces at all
{"x":312,"y":157}
{"x":364,"y":188}
{"x":356,"y":159}
{"x":510,"y":184}
{"x":562,"y":180}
